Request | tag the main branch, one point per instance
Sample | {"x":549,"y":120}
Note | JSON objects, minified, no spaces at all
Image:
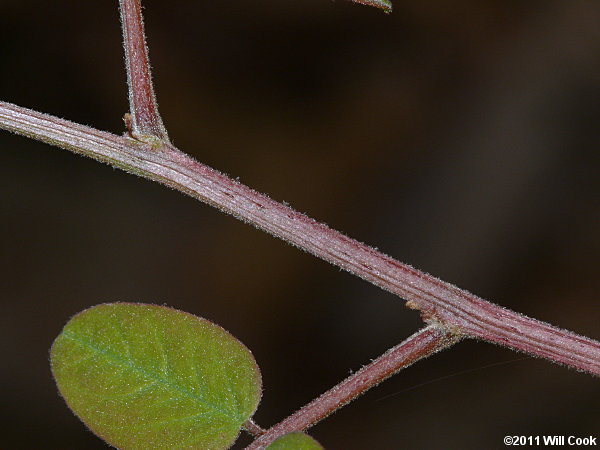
{"x":459,"y":311}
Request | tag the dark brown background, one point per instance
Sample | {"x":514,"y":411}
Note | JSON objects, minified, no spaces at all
{"x":461,"y":137}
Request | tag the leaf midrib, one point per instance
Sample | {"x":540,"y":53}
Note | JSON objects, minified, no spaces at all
{"x":126,"y":363}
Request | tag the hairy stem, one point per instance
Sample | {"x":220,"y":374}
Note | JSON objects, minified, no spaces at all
{"x":385,"y":5}
{"x":420,"y":345}
{"x":145,"y":120}
{"x":439,"y":302}
{"x":251,"y":427}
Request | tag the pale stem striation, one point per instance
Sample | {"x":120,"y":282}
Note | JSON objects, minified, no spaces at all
{"x":459,"y":311}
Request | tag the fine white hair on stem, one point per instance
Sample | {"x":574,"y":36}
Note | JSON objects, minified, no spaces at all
{"x":145,"y":119}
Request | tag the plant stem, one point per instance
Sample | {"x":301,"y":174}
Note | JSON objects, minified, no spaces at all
{"x":420,"y":345}
{"x":459,"y":311}
{"x":385,"y":5}
{"x":251,"y":427}
{"x":145,"y":119}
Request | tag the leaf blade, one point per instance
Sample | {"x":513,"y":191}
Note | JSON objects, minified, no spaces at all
{"x":147,"y":376}
{"x":295,"y":441}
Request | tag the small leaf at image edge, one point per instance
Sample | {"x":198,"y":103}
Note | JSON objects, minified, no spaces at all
{"x":295,"y":441}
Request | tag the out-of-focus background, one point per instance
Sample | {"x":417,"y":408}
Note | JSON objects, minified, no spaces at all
{"x":461,"y":137}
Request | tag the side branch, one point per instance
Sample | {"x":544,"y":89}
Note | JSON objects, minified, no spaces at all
{"x":420,"y":345}
{"x":145,"y":119}
{"x":385,"y":5}
{"x":459,"y":311}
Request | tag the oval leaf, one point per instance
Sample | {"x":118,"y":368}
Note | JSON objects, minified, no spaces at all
{"x":146,"y":376}
{"x":295,"y":441}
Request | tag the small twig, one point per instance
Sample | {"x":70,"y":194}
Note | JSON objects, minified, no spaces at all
{"x":455,"y":309}
{"x":145,"y":119}
{"x":251,"y":427}
{"x":385,"y":5}
{"x":420,"y":345}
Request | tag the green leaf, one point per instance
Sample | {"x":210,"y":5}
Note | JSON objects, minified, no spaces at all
{"x":295,"y":441}
{"x":151,"y":377}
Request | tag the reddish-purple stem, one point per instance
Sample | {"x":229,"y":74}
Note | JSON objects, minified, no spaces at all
{"x":145,"y":120}
{"x":439,"y":302}
{"x":385,"y":5}
{"x":420,"y":345}
{"x":251,"y":427}
{"x":451,"y":312}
